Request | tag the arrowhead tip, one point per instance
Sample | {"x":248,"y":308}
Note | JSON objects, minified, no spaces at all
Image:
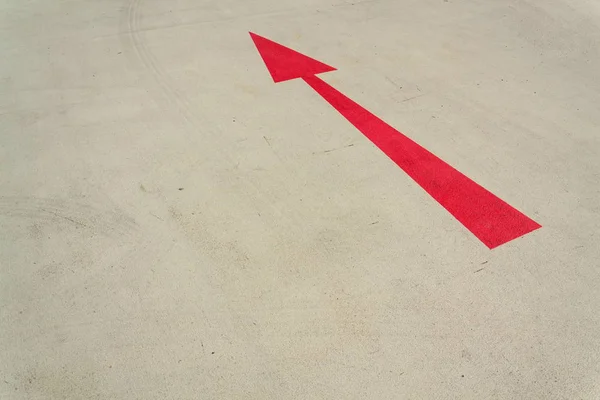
{"x":284,"y":63}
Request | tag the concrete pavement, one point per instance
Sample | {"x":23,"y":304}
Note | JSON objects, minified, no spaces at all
{"x":174,"y":225}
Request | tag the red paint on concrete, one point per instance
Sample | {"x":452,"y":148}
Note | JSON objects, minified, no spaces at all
{"x":489,"y":218}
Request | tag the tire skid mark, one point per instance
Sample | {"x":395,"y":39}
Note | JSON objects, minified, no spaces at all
{"x":166,"y":93}
{"x":168,"y":97}
{"x":112,"y":223}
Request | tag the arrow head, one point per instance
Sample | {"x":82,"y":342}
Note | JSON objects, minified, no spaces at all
{"x":284,"y":63}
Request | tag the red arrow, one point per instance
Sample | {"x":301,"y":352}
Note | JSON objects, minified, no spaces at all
{"x":490,"y":219}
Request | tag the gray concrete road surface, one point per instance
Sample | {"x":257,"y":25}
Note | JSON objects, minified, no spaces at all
{"x":174,"y":225}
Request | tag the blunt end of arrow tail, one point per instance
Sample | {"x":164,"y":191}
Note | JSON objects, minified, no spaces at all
{"x":492,"y":220}
{"x":506,"y":225}
{"x":284,"y":63}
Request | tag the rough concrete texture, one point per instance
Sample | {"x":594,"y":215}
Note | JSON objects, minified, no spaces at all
{"x":173,"y":225}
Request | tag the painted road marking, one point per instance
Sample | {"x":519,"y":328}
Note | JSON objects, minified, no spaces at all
{"x":489,"y":218}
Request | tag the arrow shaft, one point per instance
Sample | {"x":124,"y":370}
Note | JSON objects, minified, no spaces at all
{"x":489,"y":218}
